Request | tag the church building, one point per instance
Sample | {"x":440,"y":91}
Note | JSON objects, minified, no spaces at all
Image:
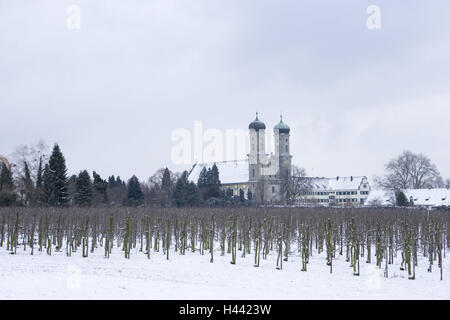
{"x":260,"y":175}
{"x":264,"y":177}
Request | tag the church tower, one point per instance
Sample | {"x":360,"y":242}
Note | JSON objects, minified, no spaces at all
{"x":282,"y":150}
{"x":257,"y":148}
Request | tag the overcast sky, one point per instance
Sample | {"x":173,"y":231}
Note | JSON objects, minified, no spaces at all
{"x":112,"y":93}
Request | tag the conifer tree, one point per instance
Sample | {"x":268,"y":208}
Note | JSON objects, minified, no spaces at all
{"x":401,"y":199}
{"x":215,"y":181}
{"x":166,"y":182}
{"x":28,"y":185}
{"x":166,"y":188}
{"x":39,"y":174}
{"x":7,"y":196}
{"x":193,"y":196}
{"x":6,"y":181}
{"x":135,"y":196}
{"x":39,"y":181}
{"x":100,"y":187}
{"x":111,"y":182}
{"x":56,"y":188}
{"x":202,"y":178}
{"x":202,"y":183}
{"x":180,"y":190}
{"x":83,"y":195}
{"x":209,"y":182}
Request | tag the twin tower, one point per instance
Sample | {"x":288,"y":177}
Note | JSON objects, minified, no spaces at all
{"x":268,"y":175}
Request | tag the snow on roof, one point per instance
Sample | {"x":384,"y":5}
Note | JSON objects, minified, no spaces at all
{"x":235,"y":171}
{"x":429,"y":197}
{"x":341,"y":183}
{"x":380,"y":198}
{"x":420,"y":197}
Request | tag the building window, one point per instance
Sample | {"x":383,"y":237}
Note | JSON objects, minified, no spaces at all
{"x":273,"y":189}
{"x":286,"y":149}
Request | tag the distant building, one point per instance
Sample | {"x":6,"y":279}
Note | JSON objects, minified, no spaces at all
{"x":431,"y":198}
{"x":233,"y":175}
{"x":339,"y":191}
{"x":260,"y":173}
{"x":265,"y":176}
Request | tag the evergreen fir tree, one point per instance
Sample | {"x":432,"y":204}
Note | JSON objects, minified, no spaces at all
{"x":202,"y":178}
{"x":215,"y":181}
{"x":401,"y":199}
{"x":166,"y":183}
{"x":39,"y":174}
{"x":57,"y":178}
{"x":28,"y":185}
{"x":100,"y":187}
{"x":135,"y":196}
{"x":180,"y":190}
{"x":6,"y":181}
{"x":83,"y":195}
{"x":186,"y":193}
{"x":193,"y":196}
{"x":111,"y":182}
{"x":7,"y":195}
{"x":209,"y":183}
{"x":202,"y":183}
{"x":166,"y":188}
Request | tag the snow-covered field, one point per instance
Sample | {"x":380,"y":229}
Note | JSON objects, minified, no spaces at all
{"x":23,"y":276}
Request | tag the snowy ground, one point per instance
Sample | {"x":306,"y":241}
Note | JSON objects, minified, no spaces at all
{"x":23,"y":276}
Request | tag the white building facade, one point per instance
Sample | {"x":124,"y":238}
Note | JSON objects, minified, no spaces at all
{"x":339,"y":191}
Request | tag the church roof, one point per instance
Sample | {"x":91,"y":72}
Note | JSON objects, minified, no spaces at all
{"x":257,"y":124}
{"x":282,"y":127}
{"x":235,"y":171}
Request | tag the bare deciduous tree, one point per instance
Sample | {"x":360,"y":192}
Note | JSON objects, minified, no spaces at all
{"x":410,"y":171}
{"x":159,"y":191}
{"x":296,"y":186}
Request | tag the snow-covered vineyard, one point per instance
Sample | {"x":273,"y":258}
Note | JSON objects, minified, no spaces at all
{"x":295,"y":253}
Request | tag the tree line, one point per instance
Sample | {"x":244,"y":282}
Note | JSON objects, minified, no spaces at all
{"x":39,"y":178}
{"x":36,"y":179}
